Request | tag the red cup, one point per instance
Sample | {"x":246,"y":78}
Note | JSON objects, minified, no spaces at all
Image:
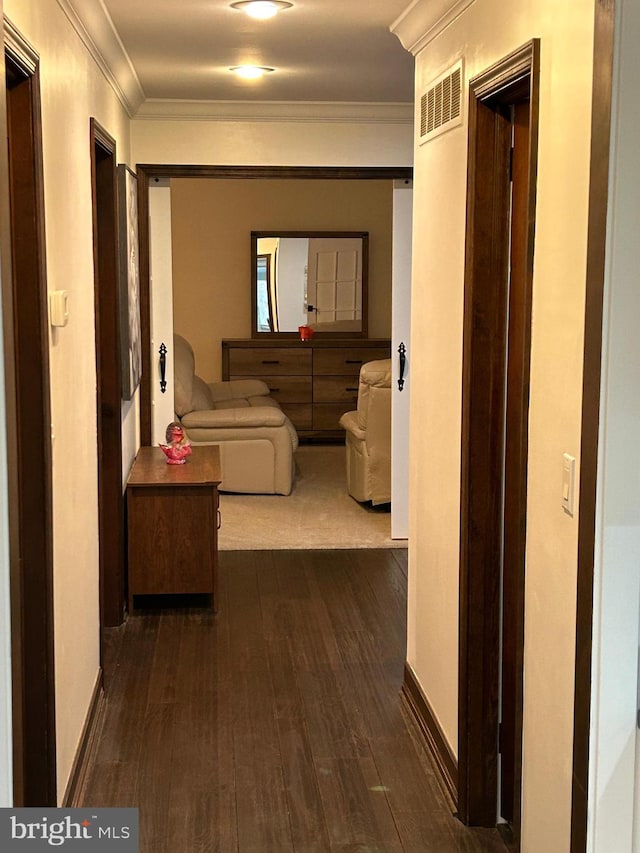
{"x":306,"y":333}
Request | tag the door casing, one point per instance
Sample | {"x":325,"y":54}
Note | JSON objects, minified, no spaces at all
{"x":108,"y":378}
{"x":28,"y":435}
{"x":148,"y":172}
{"x":484,"y":368}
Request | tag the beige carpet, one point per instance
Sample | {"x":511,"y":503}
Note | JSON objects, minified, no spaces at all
{"x":317,"y":514}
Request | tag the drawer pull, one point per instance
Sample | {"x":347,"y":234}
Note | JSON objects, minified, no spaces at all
{"x":219,"y":520}
{"x":353,"y":361}
{"x":267,"y":361}
{"x":350,"y":389}
{"x":274,"y":390}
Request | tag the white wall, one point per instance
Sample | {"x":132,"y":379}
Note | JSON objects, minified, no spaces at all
{"x":73,"y":89}
{"x":401,"y":333}
{"x":617,"y":565}
{"x":484,"y":32}
{"x":291,"y":265}
{"x":161,"y":274}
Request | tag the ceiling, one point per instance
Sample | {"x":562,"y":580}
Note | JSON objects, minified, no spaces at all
{"x":322,"y":50}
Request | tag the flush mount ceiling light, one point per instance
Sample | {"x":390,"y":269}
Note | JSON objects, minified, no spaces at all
{"x":251,"y":72}
{"x":261,"y":9}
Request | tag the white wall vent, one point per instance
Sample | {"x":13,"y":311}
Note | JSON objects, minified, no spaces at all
{"x":441,"y":104}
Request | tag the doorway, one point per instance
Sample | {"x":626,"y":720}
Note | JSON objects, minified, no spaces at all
{"x":109,"y":379}
{"x":497,"y":330}
{"x":225,"y":181}
{"x":28,"y":437}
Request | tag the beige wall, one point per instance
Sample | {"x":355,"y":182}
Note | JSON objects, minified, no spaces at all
{"x":73,"y":89}
{"x":211,"y":225}
{"x":483,"y":34}
{"x":262,"y":142}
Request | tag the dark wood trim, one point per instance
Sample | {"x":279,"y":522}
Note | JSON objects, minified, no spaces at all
{"x":491,"y":95}
{"x":11,"y":444}
{"x":108,"y":375}
{"x":343,"y":173}
{"x":515,"y":465}
{"x":596,"y":248}
{"x":30,"y":465}
{"x":147,"y":172}
{"x":87,"y":747}
{"x":436,"y":742}
{"x":482,"y":453}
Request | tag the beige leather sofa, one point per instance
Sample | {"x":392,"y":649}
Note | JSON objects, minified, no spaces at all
{"x":257,"y":441}
{"x":368,"y":439}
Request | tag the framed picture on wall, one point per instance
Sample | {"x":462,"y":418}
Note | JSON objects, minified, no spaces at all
{"x":130,"y":343}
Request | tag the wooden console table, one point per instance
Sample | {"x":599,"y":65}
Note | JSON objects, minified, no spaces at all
{"x":172,"y":519}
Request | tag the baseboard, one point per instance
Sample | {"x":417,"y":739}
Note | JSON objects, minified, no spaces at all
{"x":431,"y":732}
{"x":86,"y":746}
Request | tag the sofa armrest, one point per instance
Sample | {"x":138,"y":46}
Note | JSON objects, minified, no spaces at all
{"x":234,"y":389}
{"x":349,"y":422}
{"x":252,"y":416}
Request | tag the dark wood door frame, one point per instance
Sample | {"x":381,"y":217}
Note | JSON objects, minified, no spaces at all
{"x":491,"y":96}
{"x":149,"y":172}
{"x":28,"y":434}
{"x":108,"y":377}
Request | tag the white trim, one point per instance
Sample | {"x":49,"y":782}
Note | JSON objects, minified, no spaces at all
{"x":276,"y":111}
{"x":423,"y":20}
{"x":19,"y":48}
{"x":94,"y":26}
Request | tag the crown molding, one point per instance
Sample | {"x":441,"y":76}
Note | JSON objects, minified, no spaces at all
{"x":423,"y":20}
{"x":276,"y":111}
{"x":93,"y":24}
{"x":19,"y":48}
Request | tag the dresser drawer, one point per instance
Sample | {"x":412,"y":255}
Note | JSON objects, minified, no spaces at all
{"x":300,"y":414}
{"x":269,"y":362}
{"x":327,"y":415}
{"x":335,"y":389}
{"x":287,"y":389}
{"x":345,"y":361}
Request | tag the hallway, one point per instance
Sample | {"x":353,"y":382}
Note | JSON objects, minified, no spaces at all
{"x":277,"y":726}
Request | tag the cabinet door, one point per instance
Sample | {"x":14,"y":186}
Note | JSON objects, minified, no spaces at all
{"x":171,"y":540}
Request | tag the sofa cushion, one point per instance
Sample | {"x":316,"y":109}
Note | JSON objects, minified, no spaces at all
{"x":247,"y":417}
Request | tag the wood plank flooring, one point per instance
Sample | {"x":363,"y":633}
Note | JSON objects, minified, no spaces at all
{"x":277,"y":726}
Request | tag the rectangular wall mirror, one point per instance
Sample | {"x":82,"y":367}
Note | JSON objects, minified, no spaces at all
{"x":315,"y":278}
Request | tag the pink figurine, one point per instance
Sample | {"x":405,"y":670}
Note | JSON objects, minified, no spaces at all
{"x":177,"y":447}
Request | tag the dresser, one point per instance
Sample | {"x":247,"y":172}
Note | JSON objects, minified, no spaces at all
{"x":172,"y":524}
{"x":314,"y":382}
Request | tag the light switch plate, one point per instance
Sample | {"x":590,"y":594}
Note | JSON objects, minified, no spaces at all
{"x":58,"y":307}
{"x":568,"y":481}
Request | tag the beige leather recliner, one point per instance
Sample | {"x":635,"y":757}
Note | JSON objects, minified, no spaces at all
{"x":368,"y":439}
{"x":257,"y":440}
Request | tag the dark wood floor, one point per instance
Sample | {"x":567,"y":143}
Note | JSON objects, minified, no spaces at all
{"x":277,"y":726}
